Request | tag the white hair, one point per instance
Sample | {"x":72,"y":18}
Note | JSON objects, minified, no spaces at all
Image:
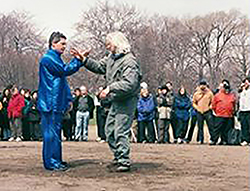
{"x":120,"y":42}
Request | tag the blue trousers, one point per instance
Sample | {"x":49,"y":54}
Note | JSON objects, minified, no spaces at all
{"x":51,"y":124}
{"x":82,"y":122}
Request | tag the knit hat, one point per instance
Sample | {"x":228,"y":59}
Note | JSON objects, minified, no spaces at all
{"x":203,"y":82}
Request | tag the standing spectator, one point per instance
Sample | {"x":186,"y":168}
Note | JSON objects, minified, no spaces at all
{"x":181,"y":108}
{"x":223,"y":105}
{"x":123,"y":84}
{"x":202,"y":103}
{"x":146,"y":113}
{"x":15,"y":107}
{"x":193,"y":114}
{"x":67,"y":124}
{"x":25,"y":123}
{"x":76,"y":96}
{"x":170,"y":97}
{"x":33,"y":118}
{"x":244,"y":108}
{"x":4,"y":121}
{"x":164,"y":110}
{"x":157,"y":95}
{"x":101,"y":116}
{"x":83,"y":114}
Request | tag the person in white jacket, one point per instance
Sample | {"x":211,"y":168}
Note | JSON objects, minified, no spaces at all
{"x":244,"y":108}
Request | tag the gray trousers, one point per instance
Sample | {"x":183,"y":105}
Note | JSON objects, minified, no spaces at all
{"x":16,"y":127}
{"x":118,"y":128}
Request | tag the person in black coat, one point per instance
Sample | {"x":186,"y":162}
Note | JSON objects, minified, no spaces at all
{"x":4,"y":120}
{"x":181,"y":106}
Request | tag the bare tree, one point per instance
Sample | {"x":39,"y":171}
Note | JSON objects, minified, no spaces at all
{"x":20,"y":47}
{"x":96,"y":23}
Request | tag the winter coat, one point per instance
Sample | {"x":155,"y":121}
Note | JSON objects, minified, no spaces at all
{"x":165,"y":106}
{"x":53,"y":91}
{"x":122,"y":74}
{"x":244,"y":100}
{"x":202,"y":100}
{"x":146,"y":108}
{"x":90,"y":105}
{"x":32,"y":112}
{"x":15,"y":106}
{"x":223,"y":104}
{"x":181,"y":106}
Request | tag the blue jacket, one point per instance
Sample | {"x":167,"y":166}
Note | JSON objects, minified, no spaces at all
{"x":53,"y":90}
{"x":182,"y":104}
{"x":146,"y":108}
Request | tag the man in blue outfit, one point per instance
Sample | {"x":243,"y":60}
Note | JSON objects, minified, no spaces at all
{"x":54,"y":98}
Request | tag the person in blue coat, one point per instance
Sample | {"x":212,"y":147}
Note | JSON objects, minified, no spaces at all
{"x":146,"y":107}
{"x":182,"y":104}
{"x":54,"y":97}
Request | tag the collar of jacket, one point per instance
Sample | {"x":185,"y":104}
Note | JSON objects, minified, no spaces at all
{"x":54,"y":52}
{"x":117,"y":56}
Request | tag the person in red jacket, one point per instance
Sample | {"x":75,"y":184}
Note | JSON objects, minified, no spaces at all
{"x":15,"y":107}
{"x":223,"y":105}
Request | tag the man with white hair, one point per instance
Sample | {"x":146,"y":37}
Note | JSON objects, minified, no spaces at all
{"x":123,"y":84}
{"x":144,"y":85}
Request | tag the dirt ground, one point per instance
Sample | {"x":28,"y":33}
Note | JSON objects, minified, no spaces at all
{"x":155,"y":167}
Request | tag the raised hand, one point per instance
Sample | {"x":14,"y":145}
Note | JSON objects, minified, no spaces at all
{"x":74,"y":52}
{"x":85,"y":53}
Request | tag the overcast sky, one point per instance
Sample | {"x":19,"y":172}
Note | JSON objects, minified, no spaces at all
{"x":62,"y":14}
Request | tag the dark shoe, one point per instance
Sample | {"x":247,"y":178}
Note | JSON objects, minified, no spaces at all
{"x":115,"y":162}
{"x":63,"y":163}
{"x":123,"y":168}
{"x":61,"y":169}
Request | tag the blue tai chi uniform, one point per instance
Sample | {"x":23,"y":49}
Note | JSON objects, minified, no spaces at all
{"x":53,"y":100}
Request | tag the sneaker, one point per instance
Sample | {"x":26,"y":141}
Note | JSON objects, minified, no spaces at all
{"x":244,"y":143}
{"x":64,"y":164}
{"x":179,"y":141}
{"x":18,"y":139}
{"x":61,"y":168}
{"x":102,"y":141}
{"x":200,"y":142}
{"x":11,"y":139}
{"x":212,"y":142}
{"x":98,"y":139}
{"x":123,"y":168}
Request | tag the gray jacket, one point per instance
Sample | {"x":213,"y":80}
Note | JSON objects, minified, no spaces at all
{"x":122,"y":73}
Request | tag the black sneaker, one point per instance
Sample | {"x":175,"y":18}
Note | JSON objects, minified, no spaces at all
{"x":63,"y":163}
{"x":123,"y":168}
{"x":62,"y":167}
